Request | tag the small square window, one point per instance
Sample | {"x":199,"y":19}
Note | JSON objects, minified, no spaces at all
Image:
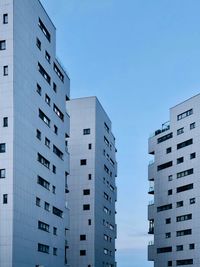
{"x":5,"y":122}
{"x":86,"y":131}
{"x":180,"y":131}
{"x":192,"y":246}
{"x":86,"y":207}
{"x":37,"y":201}
{"x":192,"y":200}
{"x":82,"y":252}
{"x":82,"y":237}
{"x":193,"y":155}
{"x":179,"y":204}
{"x":2,"y":148}
{"x":192,"y":125}
{"x":83,"y":162}
{"x":168,"y":150}
{"x":180,"y":160}
{"x":167,"y":235}
{"x":168,"y":220}
{"x":169,"y":192}
{"x":86,"y":192}
{"x":5,"y":70}
{"x":3,"y":45}
{"x":170,"y":178}
{"x":5,"y":198}
{"x":2,"y":173}
{"x":5,"y":18}
{"x":179,"y":248}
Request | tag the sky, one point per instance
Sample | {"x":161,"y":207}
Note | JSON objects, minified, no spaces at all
{"x":139,"y":57}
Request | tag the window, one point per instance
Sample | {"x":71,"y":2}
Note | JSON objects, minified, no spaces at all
{"x":39,"y":89}
{"x":58,"y":112}
{"x":168,"y":150}
{"x":82,"y":252}
{"x":180,"y":131}
{"x":106,"y":169}
{"x":43,"y":161}
{"x":106,"y":141}
{"x":185,"y":143}
{"x":54,"y":87}
{"x":180,"y":160}
{"x":58,"y":72}
{"x":5,"y":18}
{"x":47,"y":142}
{"x":167,"y":235}
{"x":164,"y":250}
{"x":89,"y":222}
{"x":179,"y":248}
{"x":5,"y":70}
{"x":5,"y":122}
{"x":55,"y":251}
{"x":179,"y":204}
{"x":55,"y":230}
{"x":168,"y":220}
{"x":54,"y":169}
{"x":105,"y":251}
{"x":106,"y":210}
{"x":5,"y":198}
{"x":106,"y":196}
{"x":170,"y":192}
{"x":184,"y":173}
{"x":89,"y":176}
{"x":106,"y":127}
{"x":43,"y":117}
{"x":169,"y":263}
{"x":43,"y":248}
{"x":164,"y":207}
{"x":82,"y":237}
{"x":57,"y":212}
{"x":46,"y":206}
{"x":192,"y":246}
{"x":170,"y":178}
{"x":192,"y":125}
{"x":43,"y":226}
{"x":89,"y":146}
{"x":55,"y":129}
{"x":44,"y":73}
{"x":184,"y":114}
{"x":83,"y":162}
{"x":37,"y":201}
{"x":86,"y":207}
{"x":48,"y":57}
{"x":164,"y":138}
{"x":38,"y":43}
{"x":184,"y":232}
{"x":86,"y":131}
{"x":184,"y":188}
{"x":53,"y":189}
{"x":2,"y":45}
{"x":86,"y":192}
{"x":193,"y":155}
{"x":164,"y":165}
{"x":38,"y":134}
{"x":2,"y":173}
{"x":43,"y":182}
{"x":2,"y":148}
{"x":58,"y":152}
{"x":47,"y":99}
{"x":184,"y":262}
{"x":44,"y":30}
{"x":192,"y":200}
{"x":184,"y":217}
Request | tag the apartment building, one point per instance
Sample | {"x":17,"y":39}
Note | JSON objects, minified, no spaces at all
{"x":34,"y":125}
{"x":92,"y":187}
{"x":174,"y":217}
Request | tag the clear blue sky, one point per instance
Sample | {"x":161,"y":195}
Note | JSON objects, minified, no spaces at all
{"x":139,"y":57}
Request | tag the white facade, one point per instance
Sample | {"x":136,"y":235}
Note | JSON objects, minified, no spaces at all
{"x":92,"y":188}
{"x":34,"y":163}
{"x":174,"y":176}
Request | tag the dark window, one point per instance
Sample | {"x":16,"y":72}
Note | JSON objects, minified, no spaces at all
{"x":5,"y":18}
{"x":57,"y":212}
{"x":86,"y":207}
{"x":168,"y":220}
{"x":38,"y":134}
{"x":54,"y":87}
{"x":89,"y":222}
{"x":47,"y":142}
{"x":106,"y":127}
{"x":83,"y":162}
{"x":44,"y":30}
{"x":2,"y":45}
{"x":167,"y":235}
{"x":55,"y":230}
{"x":184,"y":262}
{"x":185,"y":114}
{"x":106,"y":141}
{"x":164,"y":250}
{"x":192,"y":125}
{"x":2,"y":148}
{"x":82,"y":252}
{"x":184,"y":188}
{"x":55,"y":251}
{"x":170,"y":178}
{"x":89,"y":176}
{"x":180,"y":160}
{"x":5,"y":198}
{"x":58,"y":152}
{"x":39,"y":89}
{"x":169,"y":263}
{"x":37,"y":201}
{"x":168,"y":150}
{"x":165,"y":165}
{"x":184,"y":232}
{"x":55,"y":129}
{"x":193,"y":155}
{"x":43,"y":226}
{"x":185,"y":143}
{"x":184,"y":217}
{"x":2,"y":173}
{"x":58,"y":72}
{"x":164,"y":207}
{"x":38,"y":43}
{"x":44,"y":118}
{"x":179,"y":248}
{"x":170,"y":192}
{"x":164,"y":138}
{"x":179,"y":204}
{"x":86,"y":192}
{"x":58,"y":112}
{"x":5,"y":70}
{"x":86,"y":131}
{"x":184,"y":173}
{"x":192,"y":200}
{"x":46,"y":206}
{"x":106,"y":169}
{"x":43,"y":182}
{"x":43,"y":248}
{"x":89,"y":146}
{"x":5,"y":122}
{"x":44,"y":73}
{"x":53,"y":189}
{"x":192,"y":246}
{"x":47,"y":99}
{"x":43,"y":161}
{"x":180,"y":131}
{"x":48,"y":57}
{"x":54,"y":169}
{"x":82,"y":237}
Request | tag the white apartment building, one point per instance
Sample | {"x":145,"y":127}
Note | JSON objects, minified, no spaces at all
{"x":174,"y":175}
{"x":92,"y":187}
{"x":34,"y":162}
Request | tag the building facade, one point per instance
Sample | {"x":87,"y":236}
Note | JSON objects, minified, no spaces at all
{"x":92,"y":188}
{"x":34,"y":162}
{"x":174,"y":182}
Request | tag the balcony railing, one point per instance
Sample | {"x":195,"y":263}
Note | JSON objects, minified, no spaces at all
{"x":165,"y":127}
{"x":151,"y":243}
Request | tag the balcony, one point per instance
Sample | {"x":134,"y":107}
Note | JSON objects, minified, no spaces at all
{"x":151,"y":188}
{"x":151,"y":227}
{"x":151,"y":170}
{"x":151,"y":211}
{"x":151,"y":251}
